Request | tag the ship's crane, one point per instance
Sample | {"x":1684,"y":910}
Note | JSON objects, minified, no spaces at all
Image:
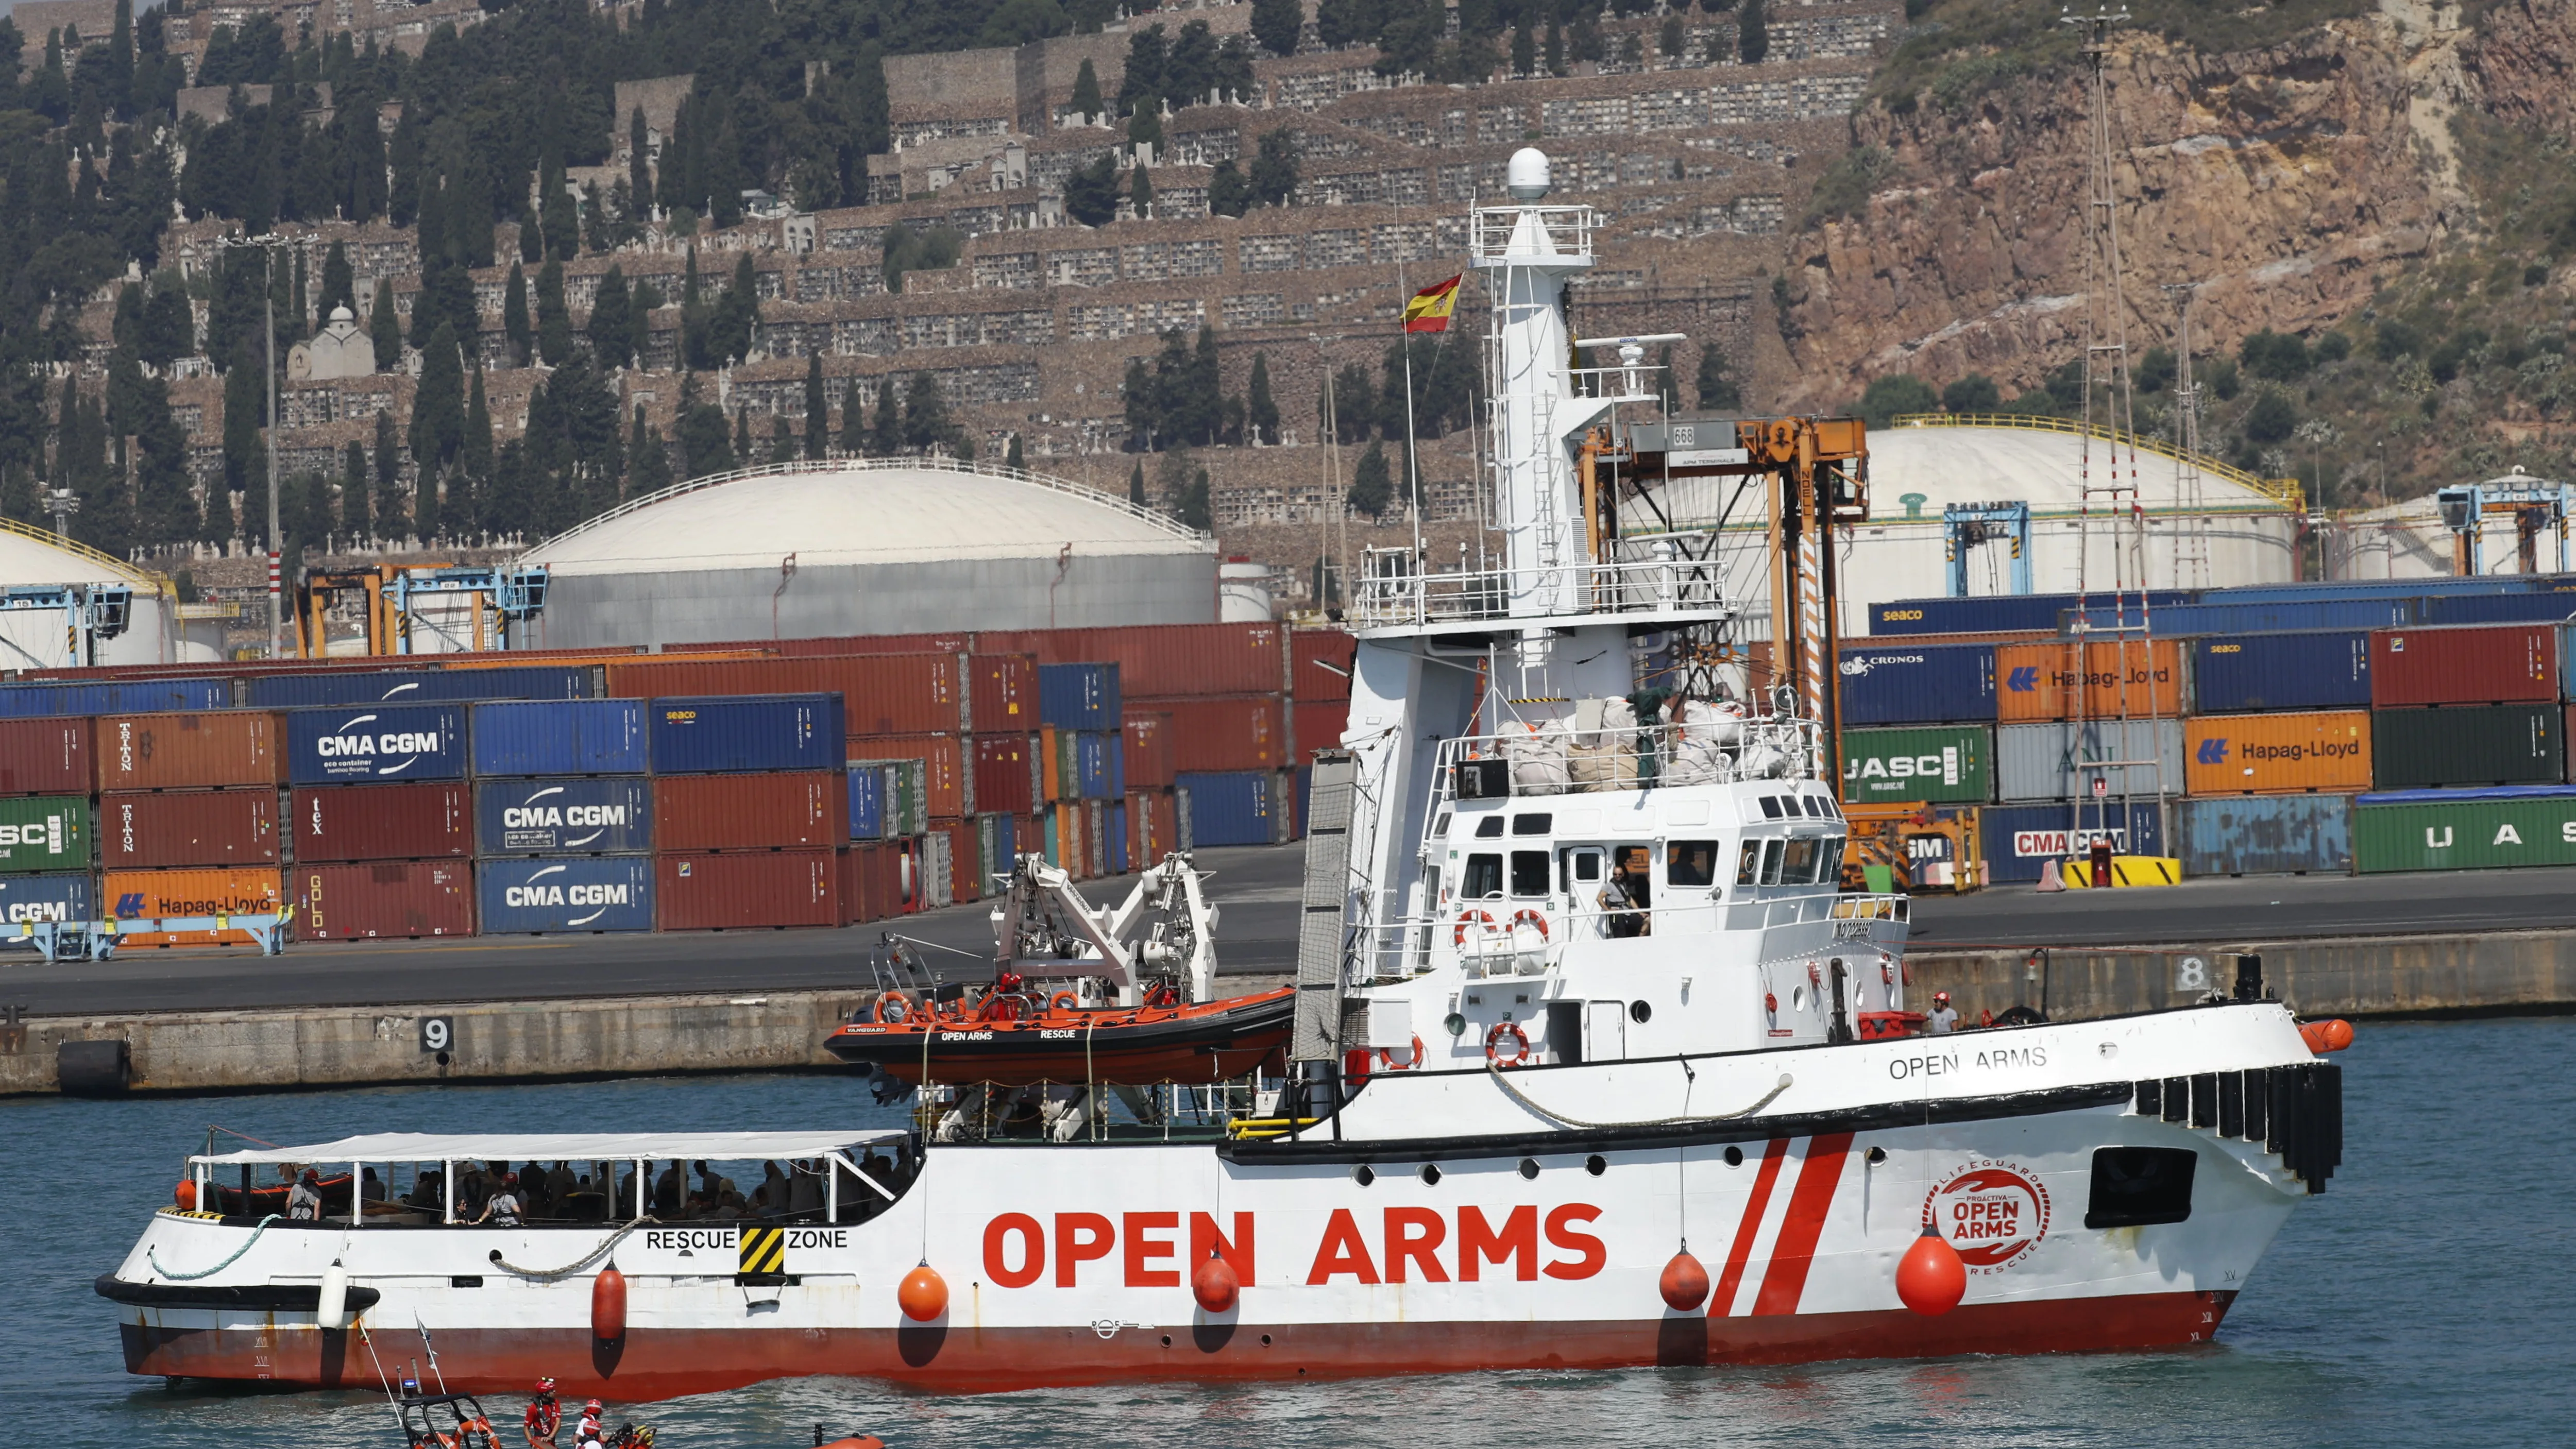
{"x":1966,"y":525}
{"x":2538,"y":506}
{"x":398,"y":601}
{"x":1044,"y":929}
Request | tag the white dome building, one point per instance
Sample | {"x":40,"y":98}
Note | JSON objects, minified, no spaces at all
{"x":35,"y":633}
{"x":868,"y":546}
{"x":2410,"y":540}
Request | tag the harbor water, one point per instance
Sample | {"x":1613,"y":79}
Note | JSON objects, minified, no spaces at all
{"x":2421,"y":1300}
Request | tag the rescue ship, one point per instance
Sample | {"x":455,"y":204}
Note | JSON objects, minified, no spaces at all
{"x":1591,"y":1064}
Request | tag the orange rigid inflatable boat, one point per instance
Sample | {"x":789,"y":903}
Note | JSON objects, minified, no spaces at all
{"x":1013,"y":1039}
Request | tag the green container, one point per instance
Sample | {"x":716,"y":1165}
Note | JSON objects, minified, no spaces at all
{"x":48,"y":832}
{"x":1941,"y":764}
{"x":2466,"y":746}
{"x":906,"y":801}
{"x":2482,"y":830}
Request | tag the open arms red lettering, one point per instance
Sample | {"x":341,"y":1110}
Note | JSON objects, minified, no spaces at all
{"x":1207,"y":1242}
{"x":1414,"y":1235}
{"x":1342,"y":1251}
{"x":1480,"y":1243}
{"x":1561,"y":1234}
{"x":1081,"y":1237}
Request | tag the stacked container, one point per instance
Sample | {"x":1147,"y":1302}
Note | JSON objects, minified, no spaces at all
{"x":46,"y":775}
{"x":563,"y":817}
{"x":751,"y":810}
{"x":193,"y":802}
{"x":383,"y":813}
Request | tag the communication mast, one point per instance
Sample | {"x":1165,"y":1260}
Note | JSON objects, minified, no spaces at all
{"x":2191,"y":544}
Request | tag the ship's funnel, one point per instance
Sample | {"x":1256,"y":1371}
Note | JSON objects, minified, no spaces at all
{"x":1527,"y":178}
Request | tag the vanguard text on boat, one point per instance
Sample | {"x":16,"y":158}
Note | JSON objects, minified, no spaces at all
{"x":1591,"y":1064}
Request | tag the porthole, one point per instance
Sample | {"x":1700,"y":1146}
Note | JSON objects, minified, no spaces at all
{"x":1430,"y":1174}
{"x":1363,"y":1175}
{"x":1735,"y":1157}
{"x":1529,"y":1168}
{"x":1596,"y":1164}
{"x":1640,"y":1012}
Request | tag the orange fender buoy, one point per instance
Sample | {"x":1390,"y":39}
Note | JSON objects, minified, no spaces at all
{"x":1684,"y":1284}
{"x":923,"y":1294}
{"x":186,"y":1196}
{"x":1930,"y":1277}
{"x":2326,"y":1036}
{"x":857,"y":1441}
{"x":608,"y":1305}
{"x":1215,"y":1285}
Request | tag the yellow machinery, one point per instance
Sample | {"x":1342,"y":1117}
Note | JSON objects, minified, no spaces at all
{"x":466,"y":609}
{"x":1913,"y":848}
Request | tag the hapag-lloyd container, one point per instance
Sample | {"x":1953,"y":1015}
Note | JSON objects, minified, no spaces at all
{"x":376,"y":743}
{"x":560,"y":737}
{"x":2098,"y":679}
{"x":2467,"y":746}
{"x":2492,"y":664}
{"x":2061,"y":760}
{"x":423,"y":686}
{"x":153,"y":696}
{"x":384,"y":822}
{"x":578,"y":815}
{"x":56,"y":896}
{"x":189,"y":751}
{"x":2464,"y":829}
{"x":727,"y":735}
{"x":881,"y":694}
{"x":1939,"y":764}
{"x":701,"y":891}
{"x":44,"y":832}
{"x":565,"y":894}
{"x":2263,"y":754}
{"x":1003,"y":774}
{"x":1148,"y":749}
{"x":1225,"y":733}
{"x":152,"y":895}
{"x":2266,"y":835}
{"x":1078,"y":696}
{"x":1888,"y":684}
{"x":943,"y":768}
{"x":2019,"y":839}
{"x":2321,"y":669}
{"x":1320,"y":663}
{"x":1002,"y":693}
{"x":376,"y":900}
{"x":1162,"y":659}
{"x":49,"y":755}
{"x":167,"y":828}
{"x":751,"y":812}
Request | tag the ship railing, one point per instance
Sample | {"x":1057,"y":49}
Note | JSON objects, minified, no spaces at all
{"x":1552,"y":757}
{"x":1654,"y":577}
{"x":1490,"y":230}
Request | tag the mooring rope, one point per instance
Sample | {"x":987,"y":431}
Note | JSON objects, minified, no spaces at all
{"x":153,"y":1256}
{"x":1517,"y":1095}
{"x":568,"y":1269}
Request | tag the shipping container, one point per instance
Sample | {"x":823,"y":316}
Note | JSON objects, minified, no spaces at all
{"x":1317,"y":725}
{"x":952,"y":643}
{"x":2464,"y":829}
{"x":867,"y":787}
{"x":2277,"y":754}
{"x":1068,"y":839}
{"x":351,"y":743}
{"x":2467,"y":746}
{"x":903,"y":804}
{"x":560,"y":737}
{"x":943,"y":777}
{"x":46,"y":755}
{"x":57,"y":896}
{"x":996,"y":849}
{"x":965,"y":872}
{"x":421,"y":821}
{"x":1148,"y":749}
{"x":2319,"y":669}
{"x":871,"y":883}
{"x":1002,"y":693}
{"x":1224,"y":734}
{"x":2101,"y":679}
{"x":2500,"y":664}
{"x":1163,"y":659}
{"x":2529,"y":607}
{"x":881,"y":694}
{"x":1152,"y":826}
{"x":751,"y":812}
{"x":168,"y":828}
{"x":2061,"y":761}
{"x":721,"y":735}
{"x":424,"y":686}
{"x":1078,"y":696}
{"x":1940,"y":764}
{"x":935,"y":870}
{"x":1002,"y":774}
{"x":2267,"y":835}
{"x":153,"y":895}
{"x":189,"y":751}
{"x":579,"y":815}
{"x":2183,"y":620}
{"x":2019,"y":839}
{"x":1099,"y":765}
{"x":1114,"y":829}
{"x":1884,"y":684}
{"x":44,"y":832}
{"x":1991,"y":613}
{"x":383,"y":899}
{"x":1229,"y":808}
{"x":1305,"y":796}
{"x":700,"y":891}
{"x":566,"y":894}
{"x":156,"y":696}
{"x":1322,"y":660}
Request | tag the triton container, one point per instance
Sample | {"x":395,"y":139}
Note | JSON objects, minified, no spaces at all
{"x":46,"y":756}
{"x":574,"y":894}
{"x":722,"y":735}
{"x":599,"y":815}
{"x":187,"y":827}
{"x":381,"y":899}
{"x":376,"y":744}
{"x":560,"y":737}
{"x":189,"y":751}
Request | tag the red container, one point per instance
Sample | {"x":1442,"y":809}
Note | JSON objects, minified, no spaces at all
{"x":1162,"y":659}
{"x":699,"y":891}
{"x":1002,"y":774}
{"x":1153,"y":827}
{"x":1149,"y":749}
{"x":187,"y":827}
{"x":2467,"y":664}
{"x":965,"y":870}
{"x":384,"y":822}
{"x":751,"y":812}
{"x":943,"y":765}
{"x":211,"y":750}
{"x":1002,"y":692}
{"x":881,"y":694}
{"x":871,"y":883}
{"x":45,"y":757}
{"x":843,"y":644}
{"x":382,"y":899}
{"x":1309,"y":650}
{"x":1236,"y":732}
{"x":1319,"y":725}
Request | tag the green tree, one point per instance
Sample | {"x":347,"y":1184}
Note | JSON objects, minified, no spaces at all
{"x":1752,"y":31}
{"x":854,"y":421}
{"x":245,"y":402}
{"x":339,"y":283}
{"x":357,"y":511}
{"x":1228,"y":193}
{"x":383,"y":328}
{"x":2274,"y":356}
{"x":737,"y":311}
{"x":1371,"y":493}
{"x":1086,"y":92}
{"x":885,"y":433}
{"x":1091,"y":192}
{"x":1896,"y":393}
{"x":2272,"y":419}
{"x":782,"y":439}
{"x":392,"y":517}
{"x":474,"y":453}
{"x":1261,"y":412}
{"x":649,"y":470}
{"x":1276,"y":23}
{"x":514,"y":317}
{"x":818,"y":409}
{"x":926,"y":423}
{"x":1136,"y":485}
{"x":705,"y":445}
{"x":639,"y":163}
{"x":438,"y":404}
{"x":1140,"y":192}
{"x":1975,"y":393}
{"x":1524,"y":48}
{"x":1013,"y":457}
{"x":554,"y":318}
{"x":612,"y":321}
{"x":1274,"y":168}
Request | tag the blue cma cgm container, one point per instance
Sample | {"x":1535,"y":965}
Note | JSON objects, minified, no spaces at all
{"x":354,"y":744}
{"x":423,"y":686}
{"x":2307,"y":669}
{"x":58,"y":896}
{"x":144,"y":696}
{"x":740,"y":734}
{"x":582,"y":815}
{"x":583,"y":893}
{"x":1078,"y":696}
{"x":867,"y":801}
{"x":1921,"y":684}
{"x":1234,"y":807}
{"x":560,"y":737}
{"x":2019,"y":838}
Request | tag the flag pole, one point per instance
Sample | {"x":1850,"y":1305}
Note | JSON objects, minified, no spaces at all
{"x":1412,"y":456}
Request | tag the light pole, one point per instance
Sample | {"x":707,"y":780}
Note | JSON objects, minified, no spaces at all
{"x":268,"y":245}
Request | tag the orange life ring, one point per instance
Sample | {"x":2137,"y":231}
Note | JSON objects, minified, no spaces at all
{"x":1520,"y":1044}
{"x":1532,"y":915}
{"x":1386,"y":1061}
{"x":1064,"y":1001}
{"x":905,"y":1007}
{"x":1458,"y":936}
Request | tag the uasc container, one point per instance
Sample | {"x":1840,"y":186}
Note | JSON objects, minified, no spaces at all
{"x":187,"y":827}
{"x":739,"y":735}
{"x":2464,"y":829}
{"x":157,"y":895}
{"x":189,"y":751}
{"x":700,"y":891}
{"x":384,"y":822}
{"x":48,"y":755}
{"x":560,"y":737}
{"x":2263,"y":754}
{"x":751,"y":812}
{"x":594,"y":815}
{"x":45,"y":832}
{"x":2497,"y":664}
{"x":1945,"y":764}
{"x":2237,"y":673}
{"x":380,"y":743}
{"x":2267,"y":835}
{"x":2466,"y":746}
{"x":383,"y":899}
{"x":577,"y":893}
{"x":58,"y":896}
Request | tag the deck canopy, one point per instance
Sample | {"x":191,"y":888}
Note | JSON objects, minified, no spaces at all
{"x":562,"y":1146}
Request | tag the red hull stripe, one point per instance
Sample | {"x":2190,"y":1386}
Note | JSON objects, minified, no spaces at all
{"x":666,"y":1363}
{"x":1722,"y":1302}
{"x":1796,"y":1251}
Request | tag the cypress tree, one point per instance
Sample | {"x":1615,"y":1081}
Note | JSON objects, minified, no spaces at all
{"x":649,"y":471}
{"x":514,"y":317}
{"x":475,"y":453}
{"x":1086,"y":93}
{"x":1752,"y":32}
{"x":438,"y":407}
{"x":391,"y":517}
{"x":245,"y":397}
{"x":818,"y":408}
{"x":383,"y":328}
{"x":339,"y":283}
{"x":1014,"y":458}
{"x":1136,"y":484}
{"x":854,"y":421}
{"x":885,"y":438}
{"x":612,"y":321}
{"x":639,"y":164}
{"x":782,"y":439}
{"x":1263,"y":411}
{"x":742,"y":435}
{"x":1140,"y":193}
{"x":554,"y":319}
{"x":357,"y":514}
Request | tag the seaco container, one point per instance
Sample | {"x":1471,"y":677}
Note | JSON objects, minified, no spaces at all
{"x":1237,"y":807}
{"x":382,"y":899}
{"x":559,"y":737}
{"x":1002,"y":773}
{"x":707,"y":892}
{"x":2266,"y":835}
{"x":44,"y":832}
{"x":48,"y":755}
{"x":1320,"y":663}
{"x":189,"y":751}
{"x":2020,"y":838}
{"x":581,"y":815}
{"x":1078,"y":696}
{"x":376,"y":743}
{"x":153,"y":895}
{"x":2464,"y":829}
{"x":384,"y":822}
{"x":2061,"y":761}
{"x":881,"y":694}
{"x":2101,"y":679}
{"x":187,"y":827}
{"x":760,"y":732}
{"x":1002,"y":693}
{"x":576,"y":893}
{"x":2319,"y":669}
{"x":751,"y":812}
{"x":2467,"y":746}
{"x":58,"y":896}
{"x":1226,"y":733}
{"x":423,"y":686}
{"x":1885,"y":684}
{"x":142,"y":696}
{"x":2493,"y":664}
{"x":1940,"y":764}
{"x":2270,"y":754}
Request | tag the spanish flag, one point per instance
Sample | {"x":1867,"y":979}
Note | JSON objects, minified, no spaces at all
{"x":1430,"y":308}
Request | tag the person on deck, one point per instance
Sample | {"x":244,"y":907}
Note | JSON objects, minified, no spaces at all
{"x":304,"y":1200}
{"x":544,"y":1417}
{"x":1943,"y":1019}
{"x":502,"y":1209}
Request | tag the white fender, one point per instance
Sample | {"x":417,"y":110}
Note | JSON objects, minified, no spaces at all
{"x":333,"y":1310}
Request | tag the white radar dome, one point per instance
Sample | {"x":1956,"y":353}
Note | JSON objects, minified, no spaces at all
{"x":1527,"y":177}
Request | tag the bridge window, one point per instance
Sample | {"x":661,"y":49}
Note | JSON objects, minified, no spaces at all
{"x":1484,"y":877}
{"x":1771,"y":860}
{"x":1489,"y":828}
{"x":1529,"y":873}
{"x":1537,"y":824}
{"x":1802,"y":860}
{"x":1748,"y":867}
{"x":1690,"y":863}
{"x":1770,"y":807}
